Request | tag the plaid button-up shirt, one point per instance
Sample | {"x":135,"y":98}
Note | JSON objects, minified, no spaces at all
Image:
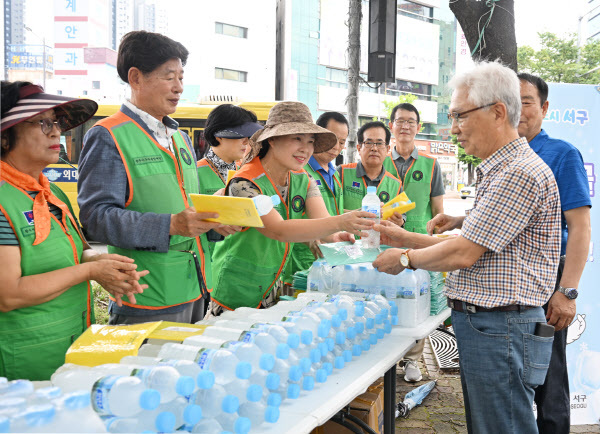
{"x":516,"y":216}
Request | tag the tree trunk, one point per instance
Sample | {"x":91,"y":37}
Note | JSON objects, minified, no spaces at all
{"x":499,"y":40}
{"x":355,"y":16}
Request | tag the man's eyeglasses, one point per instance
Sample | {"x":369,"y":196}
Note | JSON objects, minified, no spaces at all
{"x":369,"y":145}
{"x":458,"y":117}
{"x":48,"y":124}
{"x":402,"y":122}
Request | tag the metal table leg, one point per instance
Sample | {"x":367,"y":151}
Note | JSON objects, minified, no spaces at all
{"x":389,"y":401}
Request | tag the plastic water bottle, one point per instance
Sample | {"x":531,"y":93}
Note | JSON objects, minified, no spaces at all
{"x":73,"y":377}
{"x":76,"y":415}
{"x":232,"y":423}
{"x":407,"y":307}
{"x":183,"y":413}
{"x":208,"y":426}
{"x":424,"y":304}
{"x":346,"y":277}
{"x":372,"y":204}
{"x":37,"y":418}
{"x":4,"y":424}
{"x":212,"y":399}
{"x":220,"y":362}
{"x":264,"y":204}
{"x":123,"y":396}
{"x":10,"y":406}
{"x":314,"y":281}
{"x":16,"y":388}
{"x":257,"y":412}
{"x":167,"y":381}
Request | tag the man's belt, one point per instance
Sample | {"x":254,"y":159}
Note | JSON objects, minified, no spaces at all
{"x":462,"y":306}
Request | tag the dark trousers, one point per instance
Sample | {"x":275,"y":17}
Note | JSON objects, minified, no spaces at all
{"x":552,"y":398}
{"x":193,"y":313}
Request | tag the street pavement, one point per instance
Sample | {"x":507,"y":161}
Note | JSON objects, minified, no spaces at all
{"x":442,"y":411}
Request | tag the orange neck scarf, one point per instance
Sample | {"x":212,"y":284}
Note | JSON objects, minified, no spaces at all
{"x":41,"y":213}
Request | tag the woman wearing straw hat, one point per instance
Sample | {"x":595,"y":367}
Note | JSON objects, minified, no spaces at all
{"x":248,"y":264}
{"x":45,"y":295}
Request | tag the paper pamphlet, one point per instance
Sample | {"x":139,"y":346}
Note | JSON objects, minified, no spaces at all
{"x":101,"y":344}
{"x":400,"y":204}
{"x":239,"y":211}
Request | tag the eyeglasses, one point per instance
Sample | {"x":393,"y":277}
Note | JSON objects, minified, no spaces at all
{"x":458,"y":117}
{"x":402,"y":122}
{"x":48,"y":124}
{"x":369,"y":145}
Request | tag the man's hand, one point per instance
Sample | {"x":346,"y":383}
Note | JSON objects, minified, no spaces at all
{"x":189,"y":223}
{"x":314,"y":248}
{"x":228,"y":230}
{"x":338,"y":237}
{"x":392,"y":235}
{"x":389,"y":261}
{"x":397,"y":219}
{"x":442,"y":223}
{"x":561,"y":311}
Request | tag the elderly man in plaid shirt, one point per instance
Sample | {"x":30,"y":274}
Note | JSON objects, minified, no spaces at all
{"x":504,"y":262}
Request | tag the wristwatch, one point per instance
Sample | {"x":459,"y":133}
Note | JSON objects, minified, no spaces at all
{"x":405,"y":260}
{"x":570,"y":293}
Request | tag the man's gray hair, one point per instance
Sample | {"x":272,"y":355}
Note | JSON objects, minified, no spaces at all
{"x":490,"y":82}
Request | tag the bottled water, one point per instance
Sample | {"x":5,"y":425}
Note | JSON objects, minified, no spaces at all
{"x":211,"y":400}
{"x":314,"y":281}
{"x":408,"y":303}
{"x":372,"y":204}
{"x":74,"y":378}
{"x":183,"y":413}
{"x":76,"y":415}
{"x":10,"y":406}
{"x":232,"y":423}
{"x":424,"y":304}
{"x":389,"y":287}
{"x":4,"y":424}
{"x":208,"y":426}
{"x":44,"y":395}
{"x":167,"y":381}
{"x":264,"y":204}
{"x":220,"y":362}
{"x":346,"y":278}
{"x":37,"y":418}
{"x":257,"y":412}
{"x":123,"y":396}
{"x":16,"y":388}
{"x":363,"y":280}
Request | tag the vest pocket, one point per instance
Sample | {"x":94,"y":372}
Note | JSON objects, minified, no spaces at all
{"x":35,"y":355}
{"x":243,"y":283}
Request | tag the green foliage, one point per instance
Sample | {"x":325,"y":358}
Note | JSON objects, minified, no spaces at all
{"x":100,"y":303}
{"x":390,"y":104}
{"x":556,"y":61}
{"x":470,"y":160}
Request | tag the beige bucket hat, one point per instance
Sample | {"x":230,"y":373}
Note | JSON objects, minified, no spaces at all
{"x":291,"y":117}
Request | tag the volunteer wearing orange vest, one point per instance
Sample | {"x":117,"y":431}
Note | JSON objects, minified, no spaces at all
{"x":422,"y":179}
{"x":248,"y":264}
{"x":45,"y":295}
{"x":137,"y":170}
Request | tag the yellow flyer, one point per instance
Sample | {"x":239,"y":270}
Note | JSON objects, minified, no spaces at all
{"x":239,"y":211}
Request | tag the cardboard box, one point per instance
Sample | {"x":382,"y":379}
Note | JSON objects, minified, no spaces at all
{"x":368,"y":407}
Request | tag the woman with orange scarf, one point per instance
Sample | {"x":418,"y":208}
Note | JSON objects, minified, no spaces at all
{"x":45,"y":295}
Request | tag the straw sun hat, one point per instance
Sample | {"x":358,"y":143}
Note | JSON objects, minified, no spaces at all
{"x":290,"y":117}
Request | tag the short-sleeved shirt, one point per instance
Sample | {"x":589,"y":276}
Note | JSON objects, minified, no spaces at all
{"x":516,"y":216}
{"x":437,"y":183}
{"x":361,"y":173}
{"x":566,"y":164}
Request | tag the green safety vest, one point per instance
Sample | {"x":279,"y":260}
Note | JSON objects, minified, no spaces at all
{"x":417,"y":185}
{"x":355,"y":188}
{"x":247,"y":264}
{"x":302,"y":258}
{"x":34,"y":339}
{"x":160,"y":182}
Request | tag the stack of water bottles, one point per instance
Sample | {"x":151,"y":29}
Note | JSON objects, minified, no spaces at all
{"x":233,"y":377}
{"x":438,"y":299}
{"x":24,"y":409}
{"x":409,"y":290}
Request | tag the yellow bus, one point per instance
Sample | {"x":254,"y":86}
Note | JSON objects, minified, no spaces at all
{"x":191,"y":119}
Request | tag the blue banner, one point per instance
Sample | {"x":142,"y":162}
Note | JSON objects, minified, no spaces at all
{"x":574,"y":116}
